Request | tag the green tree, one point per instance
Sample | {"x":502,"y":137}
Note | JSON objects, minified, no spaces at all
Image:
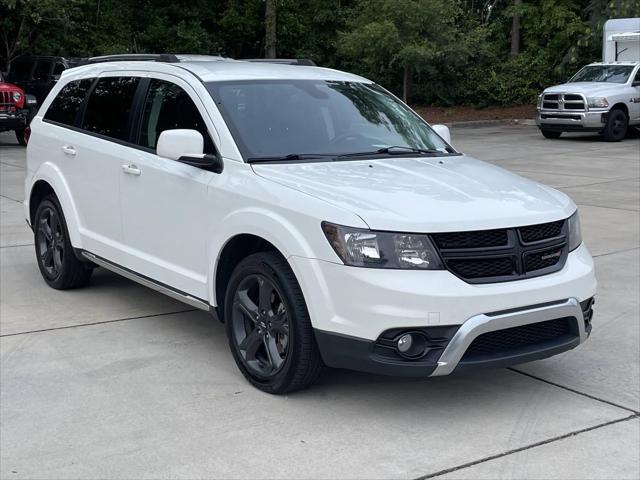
{"x":386,"y":39}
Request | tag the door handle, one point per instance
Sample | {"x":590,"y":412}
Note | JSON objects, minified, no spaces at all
{"x":69,"y":150}
{"x":131,"y":170}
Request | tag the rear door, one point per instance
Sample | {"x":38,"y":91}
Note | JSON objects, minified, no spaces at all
{"x":164,"y":202}
{"x":93,"y":155}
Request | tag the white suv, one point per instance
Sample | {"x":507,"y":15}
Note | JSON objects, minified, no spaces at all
{"x":310,"y":210}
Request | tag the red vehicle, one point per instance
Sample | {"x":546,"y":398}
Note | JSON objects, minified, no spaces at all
{"x":16,"y":110}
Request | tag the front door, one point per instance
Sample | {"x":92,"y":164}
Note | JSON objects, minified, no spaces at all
{"x":163,"y":202}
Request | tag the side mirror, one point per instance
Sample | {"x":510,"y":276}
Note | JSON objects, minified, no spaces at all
{"x":213,"y":163}
{"x":443,"y":131}
{"x":174,"y":144}
{"x":186,"y":146}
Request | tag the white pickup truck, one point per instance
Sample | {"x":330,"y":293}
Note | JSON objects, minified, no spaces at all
{"x":602,"y":97}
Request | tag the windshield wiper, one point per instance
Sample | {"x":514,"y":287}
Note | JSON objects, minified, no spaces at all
{"x":291,"y":156}
{"x":394,"y":150}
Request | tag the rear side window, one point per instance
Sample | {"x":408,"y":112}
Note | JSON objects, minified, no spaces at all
{"x":43,"y":68}
{"x":168,"y":107}
{"x":20,"y":70}
{"x":109,"y":106}
{"x":65,"y":107}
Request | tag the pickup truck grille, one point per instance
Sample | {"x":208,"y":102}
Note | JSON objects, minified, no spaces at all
{"x":501,"y":255}
{"x":563,"y":101}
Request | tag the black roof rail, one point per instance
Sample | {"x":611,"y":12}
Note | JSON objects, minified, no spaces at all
{"x":284,"y":61}
{"x":128,"y":57}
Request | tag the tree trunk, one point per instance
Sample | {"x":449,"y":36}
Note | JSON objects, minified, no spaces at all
{"x":515,"y":30}
{"x":270,"y":29}
{"x":407,"y":80}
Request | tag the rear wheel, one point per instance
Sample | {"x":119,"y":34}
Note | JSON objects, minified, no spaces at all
{"x":268,"y":325}
{"x":20,"y":136}
{"x":551,"y":134}
{"x":616,"y":127}
{"x":58,"y":264}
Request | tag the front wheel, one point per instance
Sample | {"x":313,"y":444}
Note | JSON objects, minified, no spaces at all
{"x":268,"y":325}
{"x":616,"y":127}
{"x":551,"y":134}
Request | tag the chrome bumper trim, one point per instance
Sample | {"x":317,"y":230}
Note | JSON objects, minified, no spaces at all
{"x":484,"y":323}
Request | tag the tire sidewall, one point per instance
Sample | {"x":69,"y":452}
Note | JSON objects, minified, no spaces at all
{"x":608,"y":134}
{"x":263,"y":264}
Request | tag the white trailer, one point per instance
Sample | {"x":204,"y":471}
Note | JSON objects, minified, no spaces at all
{"x":621,"y":40}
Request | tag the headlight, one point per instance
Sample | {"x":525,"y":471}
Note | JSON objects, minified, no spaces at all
{"x":575,"y":233}
{"x":366,"y":248}
{"x":598,"y":102}
{"x":540,"y":101}
{"x":17,"y":96}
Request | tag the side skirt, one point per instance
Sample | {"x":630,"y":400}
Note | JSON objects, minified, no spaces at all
{"x":146,"y":281}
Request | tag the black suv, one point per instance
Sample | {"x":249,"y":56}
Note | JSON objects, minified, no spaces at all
{"x":37,"y":75}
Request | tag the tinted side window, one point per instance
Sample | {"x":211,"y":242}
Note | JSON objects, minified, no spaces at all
{"x":168,"y":107}
{"x":637,"y":79}
{"x":43,"y":68}
{"x":58,"y":69}
{"x":20,"y":70}
{"x":65,"y":107}
{"x":109,"y":106}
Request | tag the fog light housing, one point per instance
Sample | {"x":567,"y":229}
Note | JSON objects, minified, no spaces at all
{"x":405,"y":342}
{"x":412,"y":345}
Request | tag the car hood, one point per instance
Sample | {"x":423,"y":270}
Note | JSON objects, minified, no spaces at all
{"x":10,"y":87}
{"x":425,"y":194}
{"x":589,"y":89}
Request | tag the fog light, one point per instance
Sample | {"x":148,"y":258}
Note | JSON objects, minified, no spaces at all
{"x":405,"y":342}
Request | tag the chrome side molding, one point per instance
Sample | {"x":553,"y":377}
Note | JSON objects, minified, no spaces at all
{"x":147,"y":282}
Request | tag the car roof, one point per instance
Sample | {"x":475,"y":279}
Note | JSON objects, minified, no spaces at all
{"x":621,"y":62}
{"x":220,"y":69}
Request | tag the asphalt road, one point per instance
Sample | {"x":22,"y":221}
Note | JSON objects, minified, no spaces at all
{"x":117,"y":381}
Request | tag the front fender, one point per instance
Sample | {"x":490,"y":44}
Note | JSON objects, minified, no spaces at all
{"x":293,"y":235}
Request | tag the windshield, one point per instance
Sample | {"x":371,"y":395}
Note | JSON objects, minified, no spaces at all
{"x":603,"y":73}
{"x":273,"y":119}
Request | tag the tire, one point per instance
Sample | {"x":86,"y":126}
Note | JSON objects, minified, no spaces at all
{"x":268,"y":326}
{"x":616,"y":127}
{"x":57,"y":261}
{"x":20,"y":137}
{"x":551,"y":134}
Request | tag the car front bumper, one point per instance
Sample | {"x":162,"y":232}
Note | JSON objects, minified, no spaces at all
{"x":13,"y":120}
{"x":353,"y":310}
{"x":568,"y":121}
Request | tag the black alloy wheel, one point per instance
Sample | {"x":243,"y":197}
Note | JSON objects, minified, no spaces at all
{"x":268,"y":325}
{"x":261,"y":325}
{"x":50,"y":242}
{"x":58,"y":264}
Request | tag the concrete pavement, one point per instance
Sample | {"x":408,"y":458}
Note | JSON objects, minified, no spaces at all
{"x":117,"y":381}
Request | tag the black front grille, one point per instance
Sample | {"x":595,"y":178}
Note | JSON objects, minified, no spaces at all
{"x":534,"y":233}
{"x":479,"y":268}
{"x":483,"y":238}
{"x":544,"y":259}
{"x":500,"y":255}
{"x":516,"y":338}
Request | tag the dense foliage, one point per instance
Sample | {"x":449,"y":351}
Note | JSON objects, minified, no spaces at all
{"x":439,"y":51}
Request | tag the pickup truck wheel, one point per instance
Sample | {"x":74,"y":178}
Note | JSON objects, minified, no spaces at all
{"x":56,"y":260}
{"x":22,"y":140}
{"x":616,"y":127}
{"x":551,"y":134}
{"x":268,"y":325}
